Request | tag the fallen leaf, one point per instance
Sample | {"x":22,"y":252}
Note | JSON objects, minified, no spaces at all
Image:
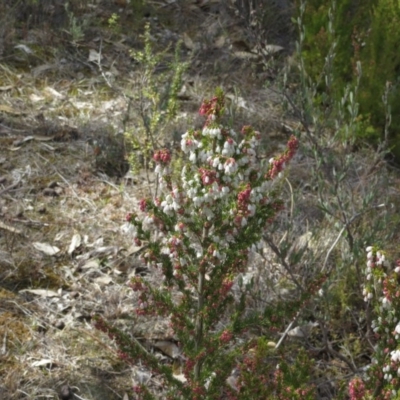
{"x":41,"y":292}
{"x":141,"y":376}
{"x":133,"y":250}
{"x":302,"y":331}
{"x":94,"y":263}
{"x":297,"y":332}
{"x":52,"y":92}
{"x":45,"y":362}
{"x":219,"y":42}
{"x":180,"y":377}
{"x":75,"y":243}
{"x":25,"y":139}
{"x":270,"y":49}
{"x":232,"y":382}
{"x":188,"y":42}
{"x":168,"y":347}
{"x":46,"y":248}
{"x":94,"y":56}
{"x":24,"y":48}
{"x":35,"y":98}
{"x":103,"y":280}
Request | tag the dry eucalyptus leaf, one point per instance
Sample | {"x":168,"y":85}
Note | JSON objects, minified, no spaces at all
{"x":75,"y":243}
{"x":41,"y":292}
{"x":46,"y":248}
{"x":34,"y":98}
{"x":133,"y":250}
{"x":53,"y":93}
{"x":180,"y":377}
{"x":25,"y":139}
{"x":94,"y":56}
{"x":93,"y":263}
{"x":189,"y":42}
{"x":302,"y":331}
{"x":97,"y":243}
{"x":24,"y":48}
{"x":270,"y":49}
{"x":45,"y":362}
{"x":103,"y":280}
{"x":297,"y":332}
{"x":220,"y":42}
{"x":167,"y":347}
{"x":232,"y":382}
{"x":141,"y":376}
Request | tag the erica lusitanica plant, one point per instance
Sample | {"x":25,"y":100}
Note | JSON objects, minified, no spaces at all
{"x":197,"y":234}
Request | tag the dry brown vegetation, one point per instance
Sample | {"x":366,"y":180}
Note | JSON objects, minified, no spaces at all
{"x":64,"y":191}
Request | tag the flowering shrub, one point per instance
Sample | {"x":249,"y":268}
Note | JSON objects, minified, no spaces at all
{"x":199,"y":233}
{"x":382,"y":290}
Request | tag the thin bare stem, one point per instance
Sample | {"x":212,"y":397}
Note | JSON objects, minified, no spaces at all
{"x":200,"y":316}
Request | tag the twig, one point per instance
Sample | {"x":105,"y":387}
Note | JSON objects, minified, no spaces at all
{"x":283,"y":337}
{"x":350,"y":221}
{"x":73,"y":191}
{"x":285,"y":265}
{"x":98,"y":62}
{"x":10,"y":228}
{"x":10,"y":187}
{"x":108,"y":347}
{"x":334,"y":353}
{"x":4,"y":347}
{"x":79,"y":397}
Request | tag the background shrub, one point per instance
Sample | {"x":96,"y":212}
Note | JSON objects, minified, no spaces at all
{"x":366,"y":32}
